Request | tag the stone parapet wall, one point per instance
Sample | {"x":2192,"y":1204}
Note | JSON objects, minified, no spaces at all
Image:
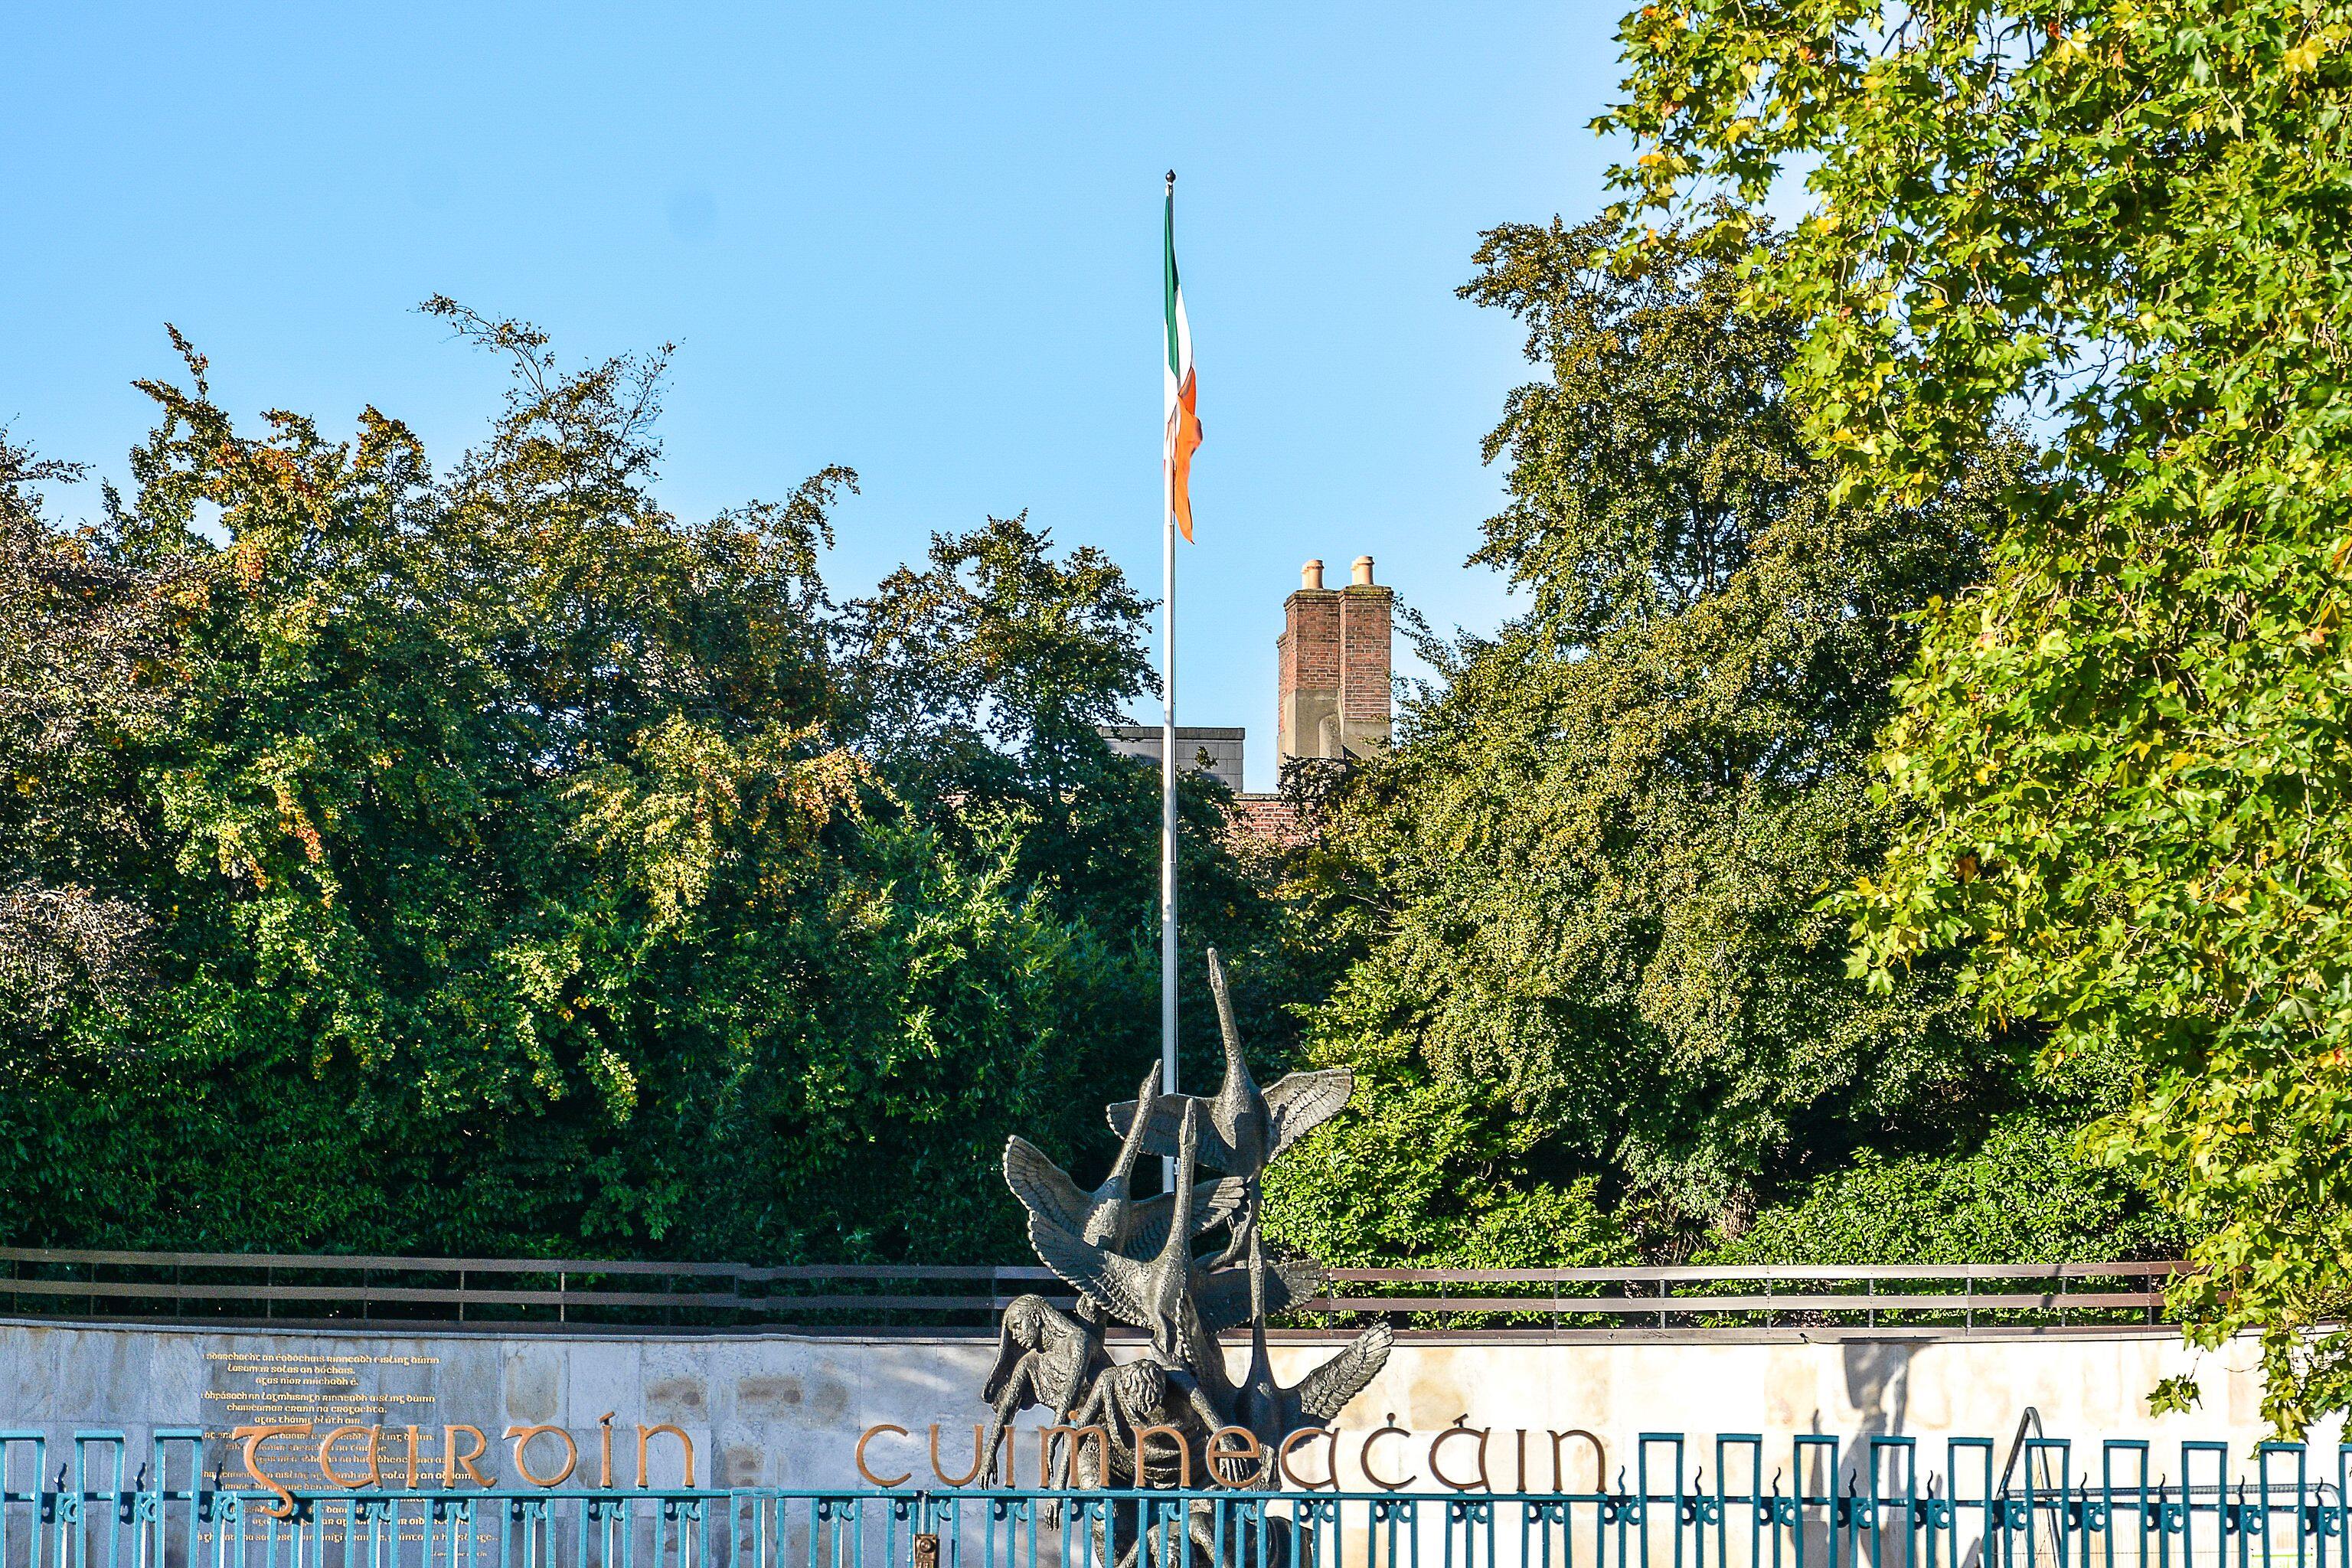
{"x":788,"y":1410}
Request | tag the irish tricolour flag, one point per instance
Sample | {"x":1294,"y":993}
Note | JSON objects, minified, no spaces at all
{"x":1182,"y":399}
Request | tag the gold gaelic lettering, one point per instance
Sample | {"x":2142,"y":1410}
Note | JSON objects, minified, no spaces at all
{"x":646,"y":1433}
{"x":451,"y":1459}
{"x":253,"y":1437}
{"x":522,"y":1437}
{"x":885,"y":1482}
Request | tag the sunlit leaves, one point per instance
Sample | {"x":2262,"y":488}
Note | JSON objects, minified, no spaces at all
{"x":488,"y":860}
{"x":1589,"y":874}
{"x":2127,"y":221}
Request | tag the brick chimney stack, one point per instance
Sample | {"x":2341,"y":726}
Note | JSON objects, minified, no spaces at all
{"x":1334,"y":663}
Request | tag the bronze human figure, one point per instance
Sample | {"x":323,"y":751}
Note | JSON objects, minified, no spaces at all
{"x":1044,"y":1357}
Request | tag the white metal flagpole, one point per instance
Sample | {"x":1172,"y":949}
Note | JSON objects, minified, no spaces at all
{"x":1167,"y":828}
{"x":1168,"y":753}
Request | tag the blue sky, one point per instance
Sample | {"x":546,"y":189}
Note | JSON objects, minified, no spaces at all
{"x":921,"y":241}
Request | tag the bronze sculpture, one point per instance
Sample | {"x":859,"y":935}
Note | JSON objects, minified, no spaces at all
{"x":1110,"y":1215}
{"x":1134,"y":1261}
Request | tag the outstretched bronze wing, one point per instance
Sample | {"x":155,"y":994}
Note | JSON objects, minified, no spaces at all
{"x":1223,"y":1299}
{"x":1214,"y":1203}
{"x":1160,"y":1132}
{"x":1303,"y":1102}
{"x":1114,"y":1283}
{"x":1325,"y":1392}
{"x":1167,"y":1114}
{"x":1043,"y":1188}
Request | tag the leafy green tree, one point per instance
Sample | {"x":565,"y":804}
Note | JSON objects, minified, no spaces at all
{"x":79,"y":676}
{"x":509,"y":865}
{"x":2122,"y":763}
{"x":997,"y":641}
{"x":2023,"y":1194}
{"x":985,"y":677}
{"x":1587,"y":879}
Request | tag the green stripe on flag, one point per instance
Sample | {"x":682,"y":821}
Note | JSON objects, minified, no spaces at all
{"x":1173,"y":368}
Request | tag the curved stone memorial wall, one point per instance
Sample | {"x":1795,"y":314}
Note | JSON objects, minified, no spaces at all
{"x":789,"y":1410}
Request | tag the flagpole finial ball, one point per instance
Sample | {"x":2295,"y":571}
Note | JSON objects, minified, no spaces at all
{"x":1362,"y":576}
{"x":1311,"y":576}
{"x":1171,"y":176}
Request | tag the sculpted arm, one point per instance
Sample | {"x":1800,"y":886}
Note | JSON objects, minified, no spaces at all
{"x":1018,"y":1393}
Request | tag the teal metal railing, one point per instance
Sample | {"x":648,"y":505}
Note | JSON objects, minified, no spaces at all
{"x":1886,"y":1502}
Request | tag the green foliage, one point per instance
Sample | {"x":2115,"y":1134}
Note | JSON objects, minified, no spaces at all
{"x":2023,"y":1196}
{"x":980,"y":681}
{"x":1587,"y":879}
{"x":78,"y":642}
{"x":502,"y":863}
{"x":1417,"y":1175}
{"x":2174,"y":1395}
{"x":998,"y":641}
{"x":1657,"y":448}
{"x":2123,"y":763}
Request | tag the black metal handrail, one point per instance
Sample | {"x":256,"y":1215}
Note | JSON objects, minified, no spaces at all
{"x":351,"y":1289}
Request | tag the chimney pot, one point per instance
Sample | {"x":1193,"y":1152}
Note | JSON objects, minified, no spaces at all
{"x":1332,"y":677}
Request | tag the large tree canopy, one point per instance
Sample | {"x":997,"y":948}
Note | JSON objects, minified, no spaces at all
{"x":2122,"y":764}
{"x":488,"y":860}
{"x":1587,"y":877}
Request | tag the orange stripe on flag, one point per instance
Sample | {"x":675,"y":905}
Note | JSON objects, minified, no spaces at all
{"x":1182,"y":439}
